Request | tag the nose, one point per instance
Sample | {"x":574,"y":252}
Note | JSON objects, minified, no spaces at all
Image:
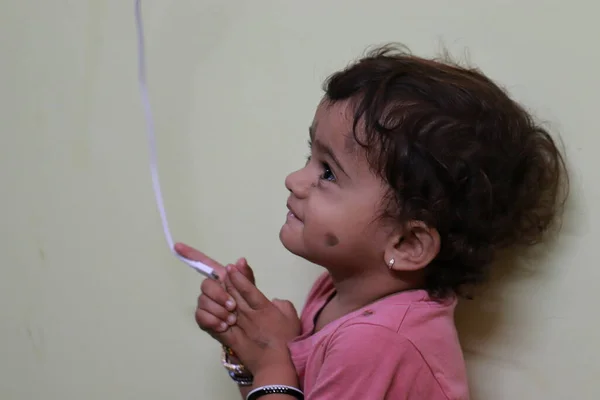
{"x":299,"y":183}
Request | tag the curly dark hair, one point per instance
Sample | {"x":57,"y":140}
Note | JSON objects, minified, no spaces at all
{"x":458,"y":155}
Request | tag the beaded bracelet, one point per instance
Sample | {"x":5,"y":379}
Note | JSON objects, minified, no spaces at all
{"x":275,"y":389}
{"x":239,"y":369}
{"x":237,"y":372}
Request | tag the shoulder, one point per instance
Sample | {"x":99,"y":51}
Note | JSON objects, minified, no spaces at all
{"x":375,"y":362}
{"x":416,"y":339}
{"x":410,"y":314}
{"x":361,"y":340}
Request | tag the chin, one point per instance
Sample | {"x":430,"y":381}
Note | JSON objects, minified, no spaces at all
{"x":294,"y":243}
{"x":291,"y":242}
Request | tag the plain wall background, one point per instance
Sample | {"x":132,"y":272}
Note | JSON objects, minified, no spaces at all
{"x":92,"y":304}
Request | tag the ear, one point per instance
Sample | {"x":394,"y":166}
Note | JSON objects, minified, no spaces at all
{"x":412,"y":248}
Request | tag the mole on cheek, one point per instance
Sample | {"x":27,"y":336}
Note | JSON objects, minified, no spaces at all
{"x":331,"y":240}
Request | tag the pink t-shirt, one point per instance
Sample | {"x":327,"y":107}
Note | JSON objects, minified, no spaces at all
{"x":402,"y":347}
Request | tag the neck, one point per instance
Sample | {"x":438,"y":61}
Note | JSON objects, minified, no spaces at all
{"x":358,"y":290}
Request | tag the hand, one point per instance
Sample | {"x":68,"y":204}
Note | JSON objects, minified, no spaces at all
{"x":263,"y":329}
{"x":215,"y":309}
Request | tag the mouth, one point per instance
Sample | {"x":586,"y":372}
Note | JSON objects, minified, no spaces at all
{"x":292,"y":214}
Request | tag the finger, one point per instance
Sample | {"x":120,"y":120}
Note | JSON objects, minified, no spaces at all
{"x":208,"y":322}
{"x":216,"y":292}
{"x":248,"y":292}
{"x":240,"y":302}
{"x":208,"y":305}
{"x":286,"y":307}
{"x":196,"y":255}
{"x":244,"y":268}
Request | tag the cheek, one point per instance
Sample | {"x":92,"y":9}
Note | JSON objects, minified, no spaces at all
{"x":322,"y":215}
{"x":331,"y":240}
{"x":328,"y":224}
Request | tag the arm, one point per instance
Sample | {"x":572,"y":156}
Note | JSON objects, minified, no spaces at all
{"x":281,"y":374}
{"x":260,"y":336}
{"x":244,"y":390}
{"x":278,"y":373}
{"x":211,"y":308}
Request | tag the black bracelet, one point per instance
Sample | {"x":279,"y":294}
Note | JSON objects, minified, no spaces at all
{"x":242,"y":380}
{"x":275,"y":389}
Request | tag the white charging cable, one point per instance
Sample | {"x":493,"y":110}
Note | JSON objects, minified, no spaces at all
{"x":197,"y":265}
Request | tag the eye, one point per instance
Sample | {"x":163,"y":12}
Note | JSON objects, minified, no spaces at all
{"x":327,"y":175}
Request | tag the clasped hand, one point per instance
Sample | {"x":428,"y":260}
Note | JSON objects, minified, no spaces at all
{"x":237,"y":314}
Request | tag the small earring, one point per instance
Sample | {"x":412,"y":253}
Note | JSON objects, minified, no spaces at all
{"x":391,"y":263}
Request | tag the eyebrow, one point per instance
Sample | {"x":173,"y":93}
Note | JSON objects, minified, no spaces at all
{"x":325,"y":149}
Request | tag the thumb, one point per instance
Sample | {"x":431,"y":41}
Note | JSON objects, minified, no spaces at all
{"x":286,"y":307}
{"x":244,"y":268}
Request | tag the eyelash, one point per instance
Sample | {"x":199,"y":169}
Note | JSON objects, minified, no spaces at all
{"x":326,"y":168}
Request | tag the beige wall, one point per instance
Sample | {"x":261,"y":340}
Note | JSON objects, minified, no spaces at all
{"x":93,"y":306}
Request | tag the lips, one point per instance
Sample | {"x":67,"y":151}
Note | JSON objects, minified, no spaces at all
{"x":292,"y":212}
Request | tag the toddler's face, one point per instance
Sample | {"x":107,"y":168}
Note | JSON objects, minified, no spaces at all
{"x":335,"y":199}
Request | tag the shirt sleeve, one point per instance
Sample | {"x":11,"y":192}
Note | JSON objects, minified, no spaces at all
{"x":364,"y":361}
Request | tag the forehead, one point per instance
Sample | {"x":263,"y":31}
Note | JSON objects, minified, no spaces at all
{"x":333,"y":124}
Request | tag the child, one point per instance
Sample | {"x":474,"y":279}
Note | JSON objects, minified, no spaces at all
{"x":420,"y":172}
